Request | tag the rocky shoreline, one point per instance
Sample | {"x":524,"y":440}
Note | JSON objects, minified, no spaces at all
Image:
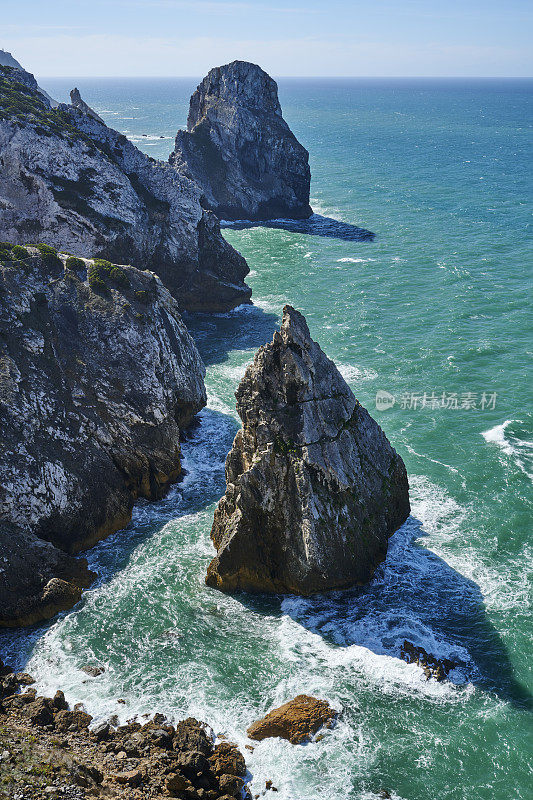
{"x":47,"y":750}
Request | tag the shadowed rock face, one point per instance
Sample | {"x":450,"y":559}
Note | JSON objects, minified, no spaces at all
{"x":239,"y":149}
{"x":98,"y":375}
{"x":314,"y":488}
{"x":68,"y":180}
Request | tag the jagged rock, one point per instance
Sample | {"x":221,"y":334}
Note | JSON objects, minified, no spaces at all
{"x":7,"y":60}
{"x":81,"y":105}
{"x":433,"y":667}
{"x":227,"y":760}
{"x":296,"y":720}
{"x":68,"y":180}
{"x":98,"y":375}
{"x":314,"y":488}
{"x":239,"y":149}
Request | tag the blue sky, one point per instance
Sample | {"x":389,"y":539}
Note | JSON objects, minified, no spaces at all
{"x":329,"y":38}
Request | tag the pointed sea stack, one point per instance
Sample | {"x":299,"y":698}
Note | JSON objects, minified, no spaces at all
{"x":314,"y":487}
{"x":239,"y":149}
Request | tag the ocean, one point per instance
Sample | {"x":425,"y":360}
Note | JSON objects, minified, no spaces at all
{"x":429,"y":322}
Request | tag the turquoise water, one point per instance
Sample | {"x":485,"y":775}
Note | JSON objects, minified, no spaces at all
{"x":437,"y":303}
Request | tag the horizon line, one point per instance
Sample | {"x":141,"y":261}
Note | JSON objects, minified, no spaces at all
{"x":323,"y":77}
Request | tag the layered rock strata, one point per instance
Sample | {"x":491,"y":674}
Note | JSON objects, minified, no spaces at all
{"x":98,"y":375}
{"x":239,"y":149}
{"x":314,"y":487}
{"x":68,"y":180}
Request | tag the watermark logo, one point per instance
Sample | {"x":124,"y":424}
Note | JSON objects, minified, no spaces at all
{"x":384,"y":400}
{"x":454,"y":401}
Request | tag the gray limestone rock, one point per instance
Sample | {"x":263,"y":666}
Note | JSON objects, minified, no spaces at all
{"x":314,"y":488}
{"x":68,"y":180}
{"x":77,"y":101}
{"x":98,"y":375}
{"x":239,"y":149}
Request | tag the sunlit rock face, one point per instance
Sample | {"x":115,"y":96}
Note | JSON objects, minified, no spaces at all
{"x":314,"y":487}
{"x":98,"y":376}
{"x":239,"y":149}
{"x":68,"y":180}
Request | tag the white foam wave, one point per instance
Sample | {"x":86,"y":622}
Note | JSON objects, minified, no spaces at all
{"x":353,"y":373}
{"x":519,"y":450}
{"x":354,"y":260}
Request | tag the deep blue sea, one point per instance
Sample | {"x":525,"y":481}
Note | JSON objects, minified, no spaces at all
{"x":435,"y":311}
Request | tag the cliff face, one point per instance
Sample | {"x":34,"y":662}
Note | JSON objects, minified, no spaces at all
{"x":314,"y":488}
{"x":97,"y":377}
{"x":68,"y":180}
{"x":239,"y":149}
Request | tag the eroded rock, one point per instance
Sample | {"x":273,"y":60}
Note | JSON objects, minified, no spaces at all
{"x":239,"y":149}
{"x":68,"y":180}
{"x":314,"y":487}
{"x":98,"y":375}
{"x":296,"y":720}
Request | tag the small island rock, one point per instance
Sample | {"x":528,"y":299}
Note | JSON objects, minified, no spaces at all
{"x":314,"y":487}
{"x":239,"y":149}
{"x":296,"y":720}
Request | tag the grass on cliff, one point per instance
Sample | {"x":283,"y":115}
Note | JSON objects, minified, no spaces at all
{"x":101,"y":272}
{"x":21,"y":104}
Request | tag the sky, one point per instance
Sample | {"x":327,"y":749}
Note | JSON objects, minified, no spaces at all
{"x":287,"y":38}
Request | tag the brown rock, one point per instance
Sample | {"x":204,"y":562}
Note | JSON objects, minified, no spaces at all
{"x":191,"y":735}
{"x":25,"y":679}
{"x":131,"y":778}
{"x":231,"y":784}
{"x":296,"y":720}
{"x":93,"y":670}
{"x":59,"y":701}
{"x":72,"y":720}
{"x":227,"y":760}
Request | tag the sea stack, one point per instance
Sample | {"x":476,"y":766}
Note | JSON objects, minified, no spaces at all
{"x":239,"y":149}
{"x":314,"y":487}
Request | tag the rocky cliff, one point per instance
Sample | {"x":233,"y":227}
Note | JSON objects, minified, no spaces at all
{"x":7,"y":60}
{"x":239,"y":149}
{"x":314,"y":488}
{"x":98,"y":375}
{"x":68,"y":180}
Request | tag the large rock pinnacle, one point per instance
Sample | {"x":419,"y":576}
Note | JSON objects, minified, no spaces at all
{"x":314,"y":487}
{"x":239,"y":149}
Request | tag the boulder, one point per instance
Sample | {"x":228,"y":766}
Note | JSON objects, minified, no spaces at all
{"x":227,"y":759}
{"x":314,"y":487}
{"x":69,"y":181}
{"x":98,"y":376}
{"x":296,"y":720}
{"x":239,"y":149}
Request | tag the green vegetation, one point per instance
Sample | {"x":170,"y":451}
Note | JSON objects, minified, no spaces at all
{"x":48,"y":255}
{"x":142,"y":296}
{"x":20,"y":252}
{"x":284,"y":448}
{"x":74,"y":264}
{"x":101,"y":272}
{"x":5,"y":252}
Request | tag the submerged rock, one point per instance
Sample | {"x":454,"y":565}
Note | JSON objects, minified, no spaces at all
{"x":239,"y":149}
{"x":98,"y":375}
{"x":68,"y":180}
{"x":432,"y":667}
{"x":296,"y":720}
{"x":314,"y":487}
